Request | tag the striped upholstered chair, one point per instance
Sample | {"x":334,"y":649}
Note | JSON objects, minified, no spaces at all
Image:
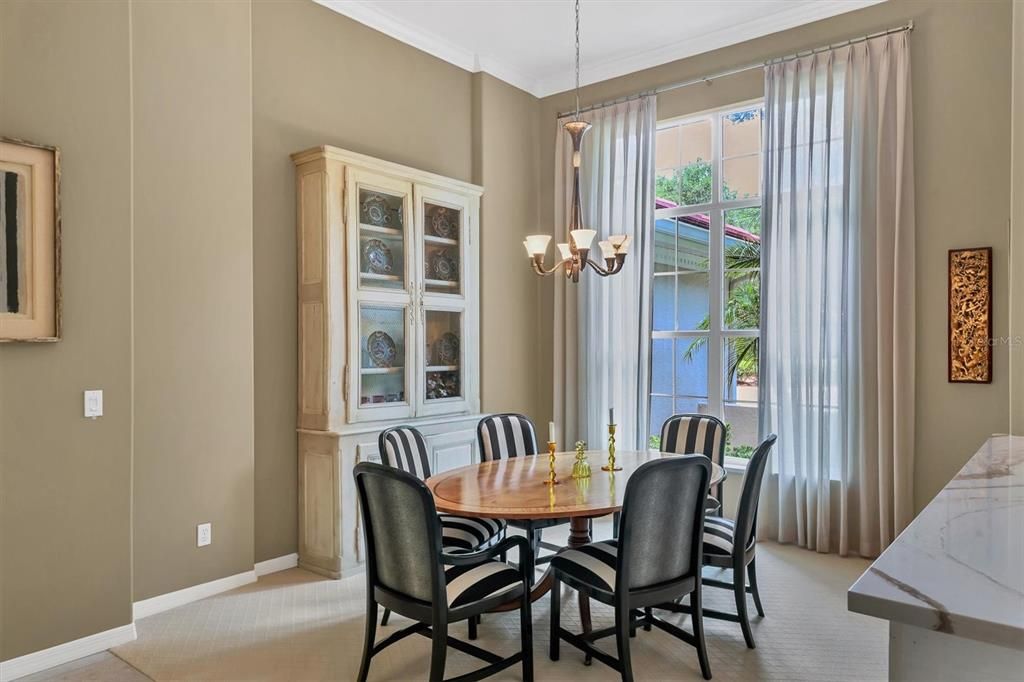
{"x":501,"y":436}
{"x":408,"y":571}
{"x":730,"y":543}
{"x":641,"y":570}
{"x":404,"y":448}
{"x":701,"y":434}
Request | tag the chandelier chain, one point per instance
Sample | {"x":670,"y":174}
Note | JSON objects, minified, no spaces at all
{"x":577,"y":117}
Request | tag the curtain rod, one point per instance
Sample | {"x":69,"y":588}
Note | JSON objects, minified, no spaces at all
{"x":909,"y":26}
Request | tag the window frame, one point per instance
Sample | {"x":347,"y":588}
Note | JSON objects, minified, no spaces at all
{"x":717,"y":333}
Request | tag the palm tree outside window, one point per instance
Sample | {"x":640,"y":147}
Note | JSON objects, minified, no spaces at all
{"x":706,"y":272}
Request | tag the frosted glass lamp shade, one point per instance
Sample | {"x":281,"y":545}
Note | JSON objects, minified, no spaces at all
{"x":616,"y":240}
{"x":564,"y":251}
{"x":624,"y":246}
{"x":537,"y":244}
{"x":583,"y":238}
{"x":607,"y":250}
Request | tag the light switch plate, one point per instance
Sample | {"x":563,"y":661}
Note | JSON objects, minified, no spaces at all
{"x":93,"y":404}
{"x":204,"y":534}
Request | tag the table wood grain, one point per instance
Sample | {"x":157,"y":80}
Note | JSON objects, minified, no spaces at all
{"x":514,"y":488}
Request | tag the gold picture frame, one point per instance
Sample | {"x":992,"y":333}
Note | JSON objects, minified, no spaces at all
{"x":970,"y":316}
{"x":30,"y":227}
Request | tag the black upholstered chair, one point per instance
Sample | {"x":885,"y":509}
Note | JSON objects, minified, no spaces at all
{"x":657,"y":558}
{"x":731,"y":544}
{"x":501,"y":436}
{"x":408,"y":572}
{"x":687,"y":434}
{"x":404,"y":448}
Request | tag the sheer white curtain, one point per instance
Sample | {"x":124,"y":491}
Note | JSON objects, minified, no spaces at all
{"x":837,"y":363}
{"x":602,"y":324}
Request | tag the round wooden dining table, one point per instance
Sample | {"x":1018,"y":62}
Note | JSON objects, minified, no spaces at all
{"x":515,"y":488}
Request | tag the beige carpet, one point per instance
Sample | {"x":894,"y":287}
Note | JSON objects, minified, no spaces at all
{"x":295,"y":625}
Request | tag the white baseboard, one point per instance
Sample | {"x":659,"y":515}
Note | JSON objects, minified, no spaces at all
{"x":165,"y":602}
{"x":65,"y":653}
{"x":281,"y":563}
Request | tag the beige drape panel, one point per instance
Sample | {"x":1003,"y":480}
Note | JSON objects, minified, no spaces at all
{"x":837,"y":365}
{"x":602,"y":336}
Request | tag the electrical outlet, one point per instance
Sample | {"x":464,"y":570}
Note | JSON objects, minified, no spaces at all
{"x":204,"y":534}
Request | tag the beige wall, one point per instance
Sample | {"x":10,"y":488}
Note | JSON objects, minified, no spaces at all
{"x":65,"y":564}
{"x":193,"y":292}
{"x":320,"y":78}
{"x":505,"y":125}
{"x":1017,"y":235}
{"x":961,"y":120}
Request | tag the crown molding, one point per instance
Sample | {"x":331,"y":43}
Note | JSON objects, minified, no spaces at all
{"x":428,"y":42}
{"x":466,"y":59}
{"x":706,"y":42}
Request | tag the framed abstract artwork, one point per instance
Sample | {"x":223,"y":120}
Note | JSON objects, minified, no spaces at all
{"x":970,"y":315}
{"x":30,"y":294}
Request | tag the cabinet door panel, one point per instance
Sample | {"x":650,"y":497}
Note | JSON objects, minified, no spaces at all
{"x":380,"y":373}
{"x":452,"y":450}
{"x":444,"y":245}
{"x":380,"y":232}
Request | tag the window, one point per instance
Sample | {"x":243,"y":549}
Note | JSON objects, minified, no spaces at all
{"x":707,"y":272}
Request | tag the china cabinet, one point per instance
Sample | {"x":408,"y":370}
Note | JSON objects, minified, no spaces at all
{"x":388,"y":269}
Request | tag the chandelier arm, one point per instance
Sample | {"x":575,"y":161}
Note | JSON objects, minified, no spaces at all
{"x":600,"y":269}
{"x":538,"y":267}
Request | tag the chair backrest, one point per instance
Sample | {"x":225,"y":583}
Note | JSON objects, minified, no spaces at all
{"x":404,"y":447}
{"x":401,"y":530}
{"x":687,"y":434}
{"x":750,"y":495}
{"x":506,"y":435}
{"x":662,"y":522}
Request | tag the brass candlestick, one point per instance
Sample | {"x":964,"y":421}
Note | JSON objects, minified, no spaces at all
{"x":611,"y":451}
{"x":551,"y":480}
{"x":581,"y":467}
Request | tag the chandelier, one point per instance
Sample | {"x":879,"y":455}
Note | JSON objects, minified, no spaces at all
{"x":574,"y":255}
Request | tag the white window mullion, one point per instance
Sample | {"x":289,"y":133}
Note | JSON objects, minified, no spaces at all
{"x":716,"y":275}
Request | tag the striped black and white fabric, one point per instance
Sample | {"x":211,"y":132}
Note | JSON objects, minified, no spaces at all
{"x":700,"y":434}
{"x":719,"y":536}
{"x":507,"y":435}
{"x":593,"y":564}
{"x":468,"y":584}
{"x":462,"y":534}
{"x":403,"y":447}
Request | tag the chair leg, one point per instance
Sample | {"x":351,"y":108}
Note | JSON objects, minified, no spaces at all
{"x":648,"y":614}
{"x":615,"y":525}
{"x":753,"y":586}
{"x":384,"y":618}
{"x":473,"y":622}
{"x":556,"y":612}
{"x":622,"y":620}
{"x":370,"y":638}
{"x":438,"y":651}
{"x":739,"y":589}
{"x":697,"y":617}
{"x":526,"y":634}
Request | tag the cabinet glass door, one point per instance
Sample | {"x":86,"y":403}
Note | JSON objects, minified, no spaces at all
{"x":444,"y":221}
{"x":382,"y":385}
{"x":381,"y":212}
{"x":444,"y":359}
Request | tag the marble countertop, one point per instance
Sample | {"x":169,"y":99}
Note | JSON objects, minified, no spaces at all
{"x":959,"y":566}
